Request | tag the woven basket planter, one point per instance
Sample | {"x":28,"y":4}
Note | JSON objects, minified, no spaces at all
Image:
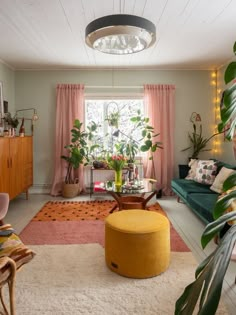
{"x":70,"y":190}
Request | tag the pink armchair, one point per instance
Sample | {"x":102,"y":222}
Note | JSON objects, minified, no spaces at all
{"x":4,"y":203}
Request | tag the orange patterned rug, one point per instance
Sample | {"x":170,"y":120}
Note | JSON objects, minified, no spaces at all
{"x":79,"y":222}
{"x":80,"y":210}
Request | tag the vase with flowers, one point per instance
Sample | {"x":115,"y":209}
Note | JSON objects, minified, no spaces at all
{"x":117,"y":163}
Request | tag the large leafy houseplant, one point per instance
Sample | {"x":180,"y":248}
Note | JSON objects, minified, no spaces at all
{"x":79,"y":149}
{"x":129,"y":147}
{"x":209,"y":275}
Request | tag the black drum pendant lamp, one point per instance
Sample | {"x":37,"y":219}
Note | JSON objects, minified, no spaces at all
{"x":120,"y":34}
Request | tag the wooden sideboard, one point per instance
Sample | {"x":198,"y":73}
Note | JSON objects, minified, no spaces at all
{"x":16,"y":165}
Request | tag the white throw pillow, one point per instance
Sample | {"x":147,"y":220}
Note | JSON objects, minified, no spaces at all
{"x":193,"y":166}
{"x":217,"y":185}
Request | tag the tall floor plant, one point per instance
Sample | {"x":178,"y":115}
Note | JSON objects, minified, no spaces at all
{"x":205,"y":292}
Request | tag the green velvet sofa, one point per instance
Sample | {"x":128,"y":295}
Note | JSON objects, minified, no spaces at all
{"x":198,"y":197}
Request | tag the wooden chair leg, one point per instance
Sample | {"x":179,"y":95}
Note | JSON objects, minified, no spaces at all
{"x":3,"y":303}
{"x":11,"y":285}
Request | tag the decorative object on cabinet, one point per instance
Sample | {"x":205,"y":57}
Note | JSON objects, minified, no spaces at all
{"x":32,"y":119}
{"x":5,"y":107}
{"x":12,"y":122}
{"x":16,"y":165}
{"x":22,"y":128}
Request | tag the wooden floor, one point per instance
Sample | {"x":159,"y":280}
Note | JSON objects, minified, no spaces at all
{"x":184,"y":220}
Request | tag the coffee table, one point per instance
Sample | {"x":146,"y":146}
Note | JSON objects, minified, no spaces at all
{"x":127,"y":196}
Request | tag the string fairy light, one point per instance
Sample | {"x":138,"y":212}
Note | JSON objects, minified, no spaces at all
{"x":216,"y":105}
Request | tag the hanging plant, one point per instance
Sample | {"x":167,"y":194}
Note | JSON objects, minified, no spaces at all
{"x":113,"y":119}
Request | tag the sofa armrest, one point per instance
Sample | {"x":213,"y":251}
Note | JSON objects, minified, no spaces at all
{"x":183,"y":170}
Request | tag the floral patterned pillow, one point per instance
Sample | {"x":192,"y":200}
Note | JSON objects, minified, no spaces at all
{"x":206,"y":172}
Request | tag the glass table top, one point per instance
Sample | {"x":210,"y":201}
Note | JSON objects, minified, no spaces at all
{"x":145,"y":185}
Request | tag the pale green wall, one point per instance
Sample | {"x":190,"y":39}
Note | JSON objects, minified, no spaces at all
{"x":38,"y":89}
{"x":7,"y":76}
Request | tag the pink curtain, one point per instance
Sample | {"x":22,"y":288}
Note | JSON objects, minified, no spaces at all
{"x":160,"y":105}
{"x":69,"y":106}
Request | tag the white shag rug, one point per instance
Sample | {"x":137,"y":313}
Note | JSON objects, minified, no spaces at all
{"x":74,"y":279}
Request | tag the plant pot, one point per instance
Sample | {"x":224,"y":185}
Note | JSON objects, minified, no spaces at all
{"x":70,"y":190}
{"x":98,"y":164}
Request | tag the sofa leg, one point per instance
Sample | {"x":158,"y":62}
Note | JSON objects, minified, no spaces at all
{"x":179,"y":200}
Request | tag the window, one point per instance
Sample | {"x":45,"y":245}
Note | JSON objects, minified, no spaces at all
{"x":100,"y":110}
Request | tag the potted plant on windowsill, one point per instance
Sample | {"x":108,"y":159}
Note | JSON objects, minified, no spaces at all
{"x":78,"y":154}
{"x":210,"y":274}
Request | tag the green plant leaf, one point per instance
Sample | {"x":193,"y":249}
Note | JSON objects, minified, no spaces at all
{"x":215,"y":227}
{"x":148,"y":143}
{"x":229,"y":96}
{"x":209,"y":279}
{"x":223,"y":204}
{"x":230,"y":182}
{"x":230,"y":72}
{"x":154,"y":147}
{"x":144,"y":148}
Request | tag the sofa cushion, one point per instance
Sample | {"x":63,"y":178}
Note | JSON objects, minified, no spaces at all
{"x":184,"y":186}
{"x":224,"y":173}
{"x":206,"y":172}
{"x":193,"y":167}
{"x":203,"y":204}
{"x":221,"y":164}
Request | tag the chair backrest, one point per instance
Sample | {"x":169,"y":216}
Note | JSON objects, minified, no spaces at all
{"x":4,"y":203}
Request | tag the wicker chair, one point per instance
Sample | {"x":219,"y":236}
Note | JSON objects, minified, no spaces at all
{"x":13,"y":255}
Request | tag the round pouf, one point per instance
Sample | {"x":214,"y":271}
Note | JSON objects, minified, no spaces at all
{"x":137,"y":243}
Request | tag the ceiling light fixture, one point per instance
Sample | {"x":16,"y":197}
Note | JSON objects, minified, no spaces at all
{"x":120,"y":34}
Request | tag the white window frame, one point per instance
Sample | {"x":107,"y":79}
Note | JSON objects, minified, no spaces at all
{"x":112,"y":99}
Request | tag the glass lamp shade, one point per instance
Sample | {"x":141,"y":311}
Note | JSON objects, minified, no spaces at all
{"x":120,"y":34}
{"x":35,"y":117}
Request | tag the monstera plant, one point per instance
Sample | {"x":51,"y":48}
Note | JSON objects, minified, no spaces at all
{"x":209,"y":276}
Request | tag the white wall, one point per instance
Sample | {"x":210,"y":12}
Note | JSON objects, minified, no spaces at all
{"x":38,"y":89}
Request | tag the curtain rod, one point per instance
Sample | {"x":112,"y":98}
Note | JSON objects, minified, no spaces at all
{"x":113,"y":87}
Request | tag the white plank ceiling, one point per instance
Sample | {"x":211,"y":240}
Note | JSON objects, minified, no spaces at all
{"x":49,"y":34}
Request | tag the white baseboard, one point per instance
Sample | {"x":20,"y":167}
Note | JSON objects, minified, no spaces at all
{"x":40,"y":189}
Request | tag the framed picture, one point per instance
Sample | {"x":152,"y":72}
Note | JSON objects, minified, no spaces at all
{"x":1,"y":101}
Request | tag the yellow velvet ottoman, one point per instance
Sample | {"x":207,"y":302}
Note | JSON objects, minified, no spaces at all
{"x":137,"y":243}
